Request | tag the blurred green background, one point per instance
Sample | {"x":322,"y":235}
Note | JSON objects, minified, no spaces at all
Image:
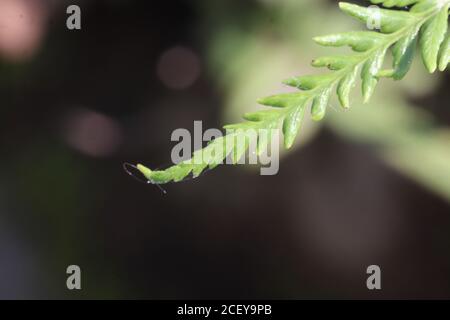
{"x":366,"y":186}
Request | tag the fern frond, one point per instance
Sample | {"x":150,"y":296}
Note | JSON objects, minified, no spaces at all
{"x":425,"y":24}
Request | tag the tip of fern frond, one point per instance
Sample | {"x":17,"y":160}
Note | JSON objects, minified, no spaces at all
{"x":317,"y":39}
{"x":268,"y":101}
{"x":367,"y":95}
{"x":322,"y":40}
{"x":318,"y":117}
{"x":288,"y":144}
{"x":431,"y":66}
{"x":390,"y":73}
{"x":432,"y":69}
{"x":260,"y":101}
{"x":345,"y":5}
{"x":292,"y":82}
{"x":345,"y":104}
{"x":144,"y":170}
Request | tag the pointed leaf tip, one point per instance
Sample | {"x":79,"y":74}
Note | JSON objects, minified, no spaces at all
{"x":318,"y":39}
{"x":291,"y":125}
{"x":292,"y":82}
{"x":343,"y":4}
{"x":432,"y":36}
{"x":264,"y":101}
{"x":144,"y":170}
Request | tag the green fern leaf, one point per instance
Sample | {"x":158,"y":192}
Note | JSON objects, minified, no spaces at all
{"x":444,"y":57}
{"x":345,"y":86}
{"x":403,"y":52}
{"x":432,"y":36}
{"x":320,"y":103}
{"x":334,"y":62}
{"x":369,"y":74}
{"x":359,"y":41}
{"x":400,"y":31}
{"x":291,"y":124}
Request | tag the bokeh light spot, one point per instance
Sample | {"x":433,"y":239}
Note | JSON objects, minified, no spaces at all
{"x":91,"y":133}
{"x":22,"y":25}
{"x":178,"y":68}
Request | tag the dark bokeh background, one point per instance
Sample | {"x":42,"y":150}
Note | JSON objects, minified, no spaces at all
{"x":75,"y":105}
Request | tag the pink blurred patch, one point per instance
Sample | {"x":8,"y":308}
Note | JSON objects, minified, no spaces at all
{"x":91,"y":133}
{"x":178,"y":68}
{"x":22,"y":26}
